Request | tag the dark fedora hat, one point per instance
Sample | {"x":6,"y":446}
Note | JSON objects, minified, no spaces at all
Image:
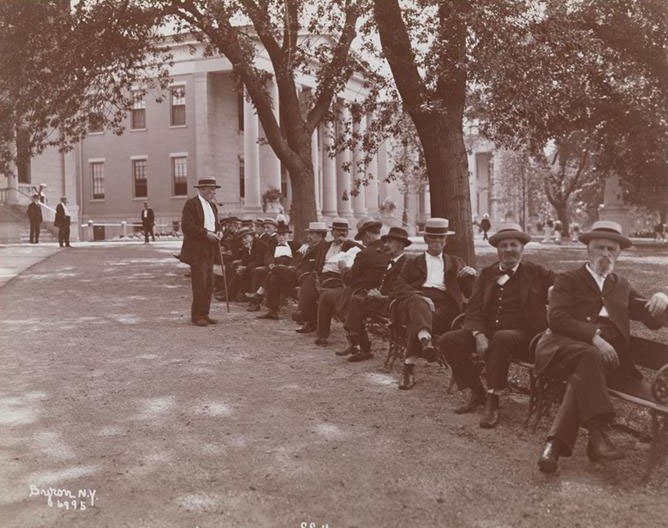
{"x":365,"y":224}
{"x":509,"y":230}
{"x":606,"y":229}
{"x":397,"y":233}
{"x":207,"y":182}
{"x":283,"y":229}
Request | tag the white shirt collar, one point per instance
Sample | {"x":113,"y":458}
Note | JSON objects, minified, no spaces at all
{"x":398,"y":257}
{"x":514,"y":268}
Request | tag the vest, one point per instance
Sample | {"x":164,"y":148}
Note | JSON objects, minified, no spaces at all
{"x":504,"y":311}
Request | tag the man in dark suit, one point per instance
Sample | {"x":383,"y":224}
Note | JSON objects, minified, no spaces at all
{"x":200,"y":226}
{"x":35,"y":216}
{"x":147,"y":222}
{"x":266,"y":243}
{"x":430,"y":294}
{"x":587,"y":343}
{"x":361,"y":269}
{"x":240,"y":280}
{"x":374,"y":300}
{"x":506,"y":310}
{"x":327,"y":257}
{"x":62,"y":222}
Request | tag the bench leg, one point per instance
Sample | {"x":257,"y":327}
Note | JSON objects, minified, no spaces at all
{"x":532,"y":398}
{"x":659,"y":447}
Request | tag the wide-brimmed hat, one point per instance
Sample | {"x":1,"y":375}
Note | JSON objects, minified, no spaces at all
{"x":340,"y":223}
{"x":207,"y":182}
{"x":397,"y":233}
{"x":283,"y":229}
{"x":437,"y":227}
{"x":270,"y":221}
{"x":247,"y":222}
{"x":509,"y":230}
{"x":606,"y":229}
{"x":244,"y":231}
{"x":366,"y":223}
{"x":317,"y":227}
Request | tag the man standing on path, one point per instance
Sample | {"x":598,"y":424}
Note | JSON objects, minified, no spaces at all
{"x":35,"y":216}
{"x":147,"y":222}
{"x":199,"y":223}
{"x":485,"y":225}
{"x":62,"y":222}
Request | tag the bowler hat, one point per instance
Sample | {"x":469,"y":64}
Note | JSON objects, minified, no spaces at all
{"x":317,"y":227}
{"x":340,"y":223}
{"x":397,"y":233}
{"x":606,"y":229}
{"x":509,"y":230}
{"x":207,"y":182}
{"x":283,"y":229}
{"x":437,"y":227}
{"x":364,"y":224}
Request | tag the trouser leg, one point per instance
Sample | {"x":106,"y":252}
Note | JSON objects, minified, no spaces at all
{"x":458,"y":347}
{"x":504,"y":346}
{"x":61,"y":236}
{"x":67,"y":235}
{"x":258,"y":277}
{"x":201,"y":277}
{"x":308,"y":300}
{"x":152,"y":233}
{"x":326,"y":307}
{"x":146,"y":232}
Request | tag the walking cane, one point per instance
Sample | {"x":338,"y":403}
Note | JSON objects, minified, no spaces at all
{"x":222,"y":265}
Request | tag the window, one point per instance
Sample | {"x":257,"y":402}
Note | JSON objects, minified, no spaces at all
{"x":178,"y":106}
{"x":242,"y":185}
{"x":97,"y":177}
{"x":95,"y":123}
{"x":180,"y":175}
{"x":138,"y":118}
{"x":139,"y":176}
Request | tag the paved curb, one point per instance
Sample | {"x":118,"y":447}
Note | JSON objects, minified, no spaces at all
{"x":15,"y":260}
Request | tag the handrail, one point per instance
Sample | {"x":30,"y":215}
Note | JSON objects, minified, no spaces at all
{"x":18,"y":190}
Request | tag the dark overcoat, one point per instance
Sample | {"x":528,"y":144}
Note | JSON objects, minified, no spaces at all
{"x":196,"y":245}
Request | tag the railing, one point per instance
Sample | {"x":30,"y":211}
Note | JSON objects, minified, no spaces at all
{"x":112,"y":230}
{"x":23,"y":191}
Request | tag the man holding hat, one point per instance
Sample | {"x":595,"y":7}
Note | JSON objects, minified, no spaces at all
{"x":506,"y":310}
{"x":366,"y":272}
{"x":329,"y":257}
{"x":374,"y":300}
{"x":587,"y":343}
{"x":199,"y":223}
{"x":430,"y":294}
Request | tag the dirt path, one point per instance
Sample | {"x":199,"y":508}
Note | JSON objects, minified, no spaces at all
{"x":107,"y":388}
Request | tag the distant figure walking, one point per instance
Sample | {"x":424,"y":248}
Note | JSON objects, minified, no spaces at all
{"x":35,"y":215}
{"x":62,"y":222}
{"x":659,"y":231}
{"x":147,"y":222}
{"x":485,"y":225}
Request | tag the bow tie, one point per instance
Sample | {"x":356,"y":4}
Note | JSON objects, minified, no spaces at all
{"x":509,"y":273}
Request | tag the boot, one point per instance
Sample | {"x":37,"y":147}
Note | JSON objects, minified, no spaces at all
{"x":600,"y":447}
{"x":306,"y":328}
{"x":476,"y":398}
{"x":491,"y":417}
{"x":407,"y":377}
{"x":549,"y":457}
{"x":352,"y":349}
{"x":271,"y":314}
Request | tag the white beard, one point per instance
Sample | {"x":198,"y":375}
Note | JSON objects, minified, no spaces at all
{"x":603,"y":266}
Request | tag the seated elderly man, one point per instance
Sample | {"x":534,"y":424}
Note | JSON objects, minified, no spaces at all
{"x":506,"y":310}
{"x":329,"y":257}
{"x":430,"y":291}
{"x":263,"y":248}
{"x":587,"y":343}
{"x":366,"y":271}
{"x":240,"y":279}
{"x":376,"y":300}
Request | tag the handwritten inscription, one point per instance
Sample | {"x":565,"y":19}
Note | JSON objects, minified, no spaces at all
{"x":65,"y":498}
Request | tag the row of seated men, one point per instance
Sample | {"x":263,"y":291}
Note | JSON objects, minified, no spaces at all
{"x":586,"y":342}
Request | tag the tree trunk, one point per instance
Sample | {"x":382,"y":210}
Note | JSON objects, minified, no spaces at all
{"x":561,"y":208}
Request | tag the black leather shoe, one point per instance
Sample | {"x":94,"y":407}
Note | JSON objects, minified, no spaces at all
{"x":407,"y":377}
{"x":210,"y":321}
{"x":200,"y":322}
{"x":429,"y":351}
{"x":297,"y":317}
{"x":600,"y":447}
{"x":271,"y":314}
{"x":321,"y":341}
{"x":491,"y":417}
{"x":476,"y":399}
{"x":360,"y":356}
{"x":549,"y":458}
{"x":352,"y":349}
{"x":306,"y":328}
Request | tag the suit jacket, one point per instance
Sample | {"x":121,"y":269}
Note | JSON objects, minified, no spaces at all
{"x":321,"y":253}
{"x":196,"y":246}
{"x":391,"y":275}
{"x":369,"y":267}
{"x":534,"y":283}
{"x":149,"y":220}
{"x":575,"y":303}
{"x":61,"y":219}
{"x":414,"y":273}
{"x":34,"y":212}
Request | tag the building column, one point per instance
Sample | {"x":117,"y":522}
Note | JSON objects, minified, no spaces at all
{"x":329,"y":195}
{"x":315,"y":158}
{"x":203,"y":161}
{"x":356,"y":173}
{"x":272,"y":172}
{"x":381,"y":172}
{"x":371,"y":189}
{"x":252,"y":198}
{"x":344,"y":158}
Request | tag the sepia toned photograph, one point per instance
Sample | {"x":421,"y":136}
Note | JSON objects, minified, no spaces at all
{"x":333,"y":263}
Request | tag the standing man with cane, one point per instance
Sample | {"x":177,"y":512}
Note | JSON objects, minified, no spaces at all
{"x":201,"y":241}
